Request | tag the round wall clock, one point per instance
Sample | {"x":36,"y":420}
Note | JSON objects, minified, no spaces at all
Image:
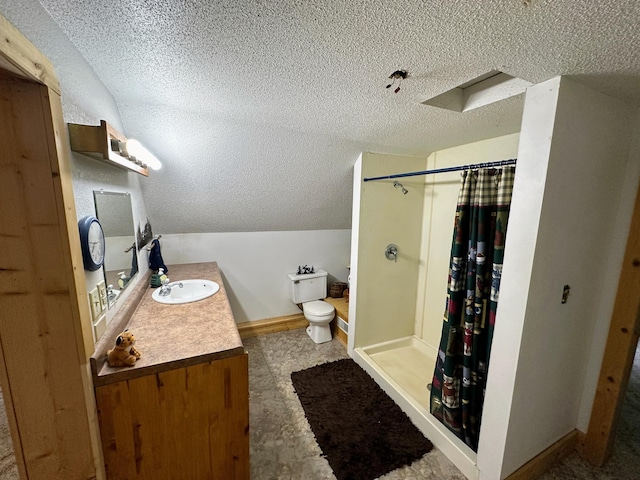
{"x":91,"y":242}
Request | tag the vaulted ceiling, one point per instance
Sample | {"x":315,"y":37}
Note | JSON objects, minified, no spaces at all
{"x":259,"y":108}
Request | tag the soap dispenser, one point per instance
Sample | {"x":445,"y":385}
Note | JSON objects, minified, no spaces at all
{"x":155,"y":281}
{"x":162,"y":275}
{"x":123,"y":280}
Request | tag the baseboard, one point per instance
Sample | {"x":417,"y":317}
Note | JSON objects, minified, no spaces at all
{"x":581,"y":439}
{"x":272,"y":325}
{"x":548,"y":458}
{"x":341,"y":336}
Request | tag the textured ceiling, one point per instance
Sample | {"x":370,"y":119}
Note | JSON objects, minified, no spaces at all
{"x":258,"y":109}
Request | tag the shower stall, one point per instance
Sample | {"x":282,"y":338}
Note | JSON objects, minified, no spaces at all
{"x":575,"y":184}
{"x":397,"y":341}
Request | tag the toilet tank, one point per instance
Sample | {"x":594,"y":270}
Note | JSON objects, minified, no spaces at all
{"x":308,"y":287}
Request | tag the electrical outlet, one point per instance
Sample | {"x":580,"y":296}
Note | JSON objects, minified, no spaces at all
{"x":102,"y":292}
{"x":94,"y":302}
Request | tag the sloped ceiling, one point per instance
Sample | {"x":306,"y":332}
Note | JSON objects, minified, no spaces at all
{"x":258,"y":109}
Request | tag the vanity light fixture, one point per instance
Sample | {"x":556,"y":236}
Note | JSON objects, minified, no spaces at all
{"x":107,"y":144}
{"x":136,"y":152}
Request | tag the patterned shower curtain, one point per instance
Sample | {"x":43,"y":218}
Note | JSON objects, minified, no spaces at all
{"x":475,"y":269}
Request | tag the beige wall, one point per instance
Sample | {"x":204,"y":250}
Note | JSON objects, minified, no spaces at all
{"x":407,"y":298}
{"x":387,"y":290}
{"x":441,"y":194}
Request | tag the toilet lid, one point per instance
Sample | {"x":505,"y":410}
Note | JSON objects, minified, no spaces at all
{"x":318,"y":307}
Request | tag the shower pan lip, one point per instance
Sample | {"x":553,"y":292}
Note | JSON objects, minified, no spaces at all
{"x":455,"y":449}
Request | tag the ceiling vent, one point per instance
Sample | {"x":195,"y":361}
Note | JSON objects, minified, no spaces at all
{"x":483,"y":90}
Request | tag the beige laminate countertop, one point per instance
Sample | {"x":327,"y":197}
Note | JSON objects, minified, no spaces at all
{"x":174,"y":336}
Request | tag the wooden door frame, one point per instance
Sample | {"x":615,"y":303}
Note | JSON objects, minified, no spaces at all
{"x":619,"y":352}
{"x":54,"y":281}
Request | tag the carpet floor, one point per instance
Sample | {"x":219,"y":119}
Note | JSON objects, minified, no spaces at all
{"x":362,"y":432}
{"x":283,"y":446}
{"x":8,"y":469}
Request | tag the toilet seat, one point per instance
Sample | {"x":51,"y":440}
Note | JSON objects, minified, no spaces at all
{"x":319,"y":314}
{"x":317,"y":308}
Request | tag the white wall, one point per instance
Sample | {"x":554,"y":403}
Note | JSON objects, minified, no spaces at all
{"x":355,"y":252}
{"x":386,"y":291}
{"x":255,"y":265}
{"x":572,"y":162}
{"x":85,"y":100}
{"x":611,"y":275}
{"x":441,"y":196}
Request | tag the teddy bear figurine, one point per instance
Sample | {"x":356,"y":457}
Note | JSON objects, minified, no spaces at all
{"x":124,"y":353}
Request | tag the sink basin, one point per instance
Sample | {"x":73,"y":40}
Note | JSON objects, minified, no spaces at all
{"x":191,"y":291}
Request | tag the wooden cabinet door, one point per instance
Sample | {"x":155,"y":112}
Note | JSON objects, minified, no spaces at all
{"x":188,"y":423}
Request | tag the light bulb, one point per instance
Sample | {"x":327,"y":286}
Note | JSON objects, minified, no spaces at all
{"x":151,"y":161}
{"x":135,"y":149}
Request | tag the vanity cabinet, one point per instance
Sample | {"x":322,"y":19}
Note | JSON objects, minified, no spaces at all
{"x":186,"y":423}
{"x":182,"y":411}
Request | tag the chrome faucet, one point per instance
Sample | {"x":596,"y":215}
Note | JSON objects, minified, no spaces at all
{"x":165,"y":288}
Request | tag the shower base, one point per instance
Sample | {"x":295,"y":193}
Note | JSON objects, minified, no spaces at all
{"x":403,"y":368}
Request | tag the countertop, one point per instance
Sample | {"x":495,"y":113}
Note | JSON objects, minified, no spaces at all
{"x":174,"y":336}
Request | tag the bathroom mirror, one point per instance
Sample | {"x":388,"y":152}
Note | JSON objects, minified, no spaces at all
{"x":113,"y":209}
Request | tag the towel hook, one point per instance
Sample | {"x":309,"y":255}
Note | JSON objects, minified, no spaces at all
{"x":150,"y":245}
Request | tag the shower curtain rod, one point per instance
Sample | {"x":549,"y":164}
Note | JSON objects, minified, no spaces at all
{"x":499,"y":163}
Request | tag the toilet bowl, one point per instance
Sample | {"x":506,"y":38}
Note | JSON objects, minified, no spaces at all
{"x":307,"y":289}
{"x":319,"y":315}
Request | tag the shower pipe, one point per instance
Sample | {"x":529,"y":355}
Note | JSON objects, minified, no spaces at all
{"x":499,"y":163}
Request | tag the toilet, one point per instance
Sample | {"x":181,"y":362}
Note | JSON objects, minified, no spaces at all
{"x":309,"y":290}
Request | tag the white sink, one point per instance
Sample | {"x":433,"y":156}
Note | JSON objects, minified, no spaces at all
{"x":191,"y":291}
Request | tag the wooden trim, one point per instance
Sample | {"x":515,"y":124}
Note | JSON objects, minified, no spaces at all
{"x":338,"y":333}
{"x":47,"y":387}
{"x":9,"y":72}
{"x":581,"y":438}
{"x":548,"y":458}
{"x":272,"y":325}
{"x":40,"y":327}
{"x":25,"y":59}
{"x":619,"y":352}
{"x":12,"y":420}
{"x":341,"y":305}
{"x":60,"y":155}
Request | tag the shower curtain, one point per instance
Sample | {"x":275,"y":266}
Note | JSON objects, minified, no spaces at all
{"x":475,"y":269}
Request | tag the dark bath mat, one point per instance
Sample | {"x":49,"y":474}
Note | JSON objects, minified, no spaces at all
{"x":360,"y":430}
